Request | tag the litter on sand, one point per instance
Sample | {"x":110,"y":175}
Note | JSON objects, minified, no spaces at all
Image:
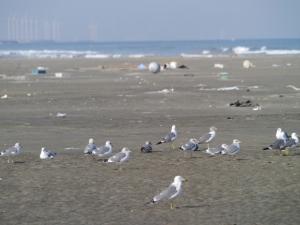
{"x":40,"y":70}
{"x":4,"y":96}
{"x":58,"y":75}
{"x":61,"y":115}
{"x":234,"y":88}
{"x":246,"y":103}
{"x":154,"y":67}
{"x":219,"y":66}
{"x":293,"y":87}
{"x":247,"y":64}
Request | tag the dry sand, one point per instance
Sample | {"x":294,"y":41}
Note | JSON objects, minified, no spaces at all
{"x":110,"y":99}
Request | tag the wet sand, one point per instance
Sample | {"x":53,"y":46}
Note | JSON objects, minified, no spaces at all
{"x":111,"y":99}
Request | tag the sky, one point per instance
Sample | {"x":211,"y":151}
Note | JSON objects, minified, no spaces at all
{"x":145,"y":20}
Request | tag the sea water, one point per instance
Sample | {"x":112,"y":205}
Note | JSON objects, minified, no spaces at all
{"x":139,"y":49}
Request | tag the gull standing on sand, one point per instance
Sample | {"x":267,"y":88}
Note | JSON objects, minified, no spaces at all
{"x":104,"y":150}
{"x":276,"y":145}
{"x":170,"y":137}
{"x":120,"y":157}
{"x":147,"y":147}
{"x":217,"y":150}
{"x":291,"y":143}
{"x":208,"y":137}
{"x":281,"y":135}
{"x":190,"y":146}
{"x":232,"y":149}
{"x":47,"y":154}
{"x":174,"y":190}
{"x":12,"y":151}
{"x":90,"y":147}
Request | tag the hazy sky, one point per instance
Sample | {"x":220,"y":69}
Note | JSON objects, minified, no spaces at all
{"x":122,"y":20}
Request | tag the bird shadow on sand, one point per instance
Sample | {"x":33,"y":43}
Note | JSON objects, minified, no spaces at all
{"x":192,"y":206}
{"x":19,"y":162}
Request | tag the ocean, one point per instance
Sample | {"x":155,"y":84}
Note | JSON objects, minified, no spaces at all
{"x":204,"y":48}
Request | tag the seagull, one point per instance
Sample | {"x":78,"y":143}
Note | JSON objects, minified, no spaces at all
{"x":90,"y":147}
{"x":217,"y":150}
{"x":277,"y":144}
{"x":120,"y":157}
{"x":281,"y":135}
{"x":12,"y":151}
{"x":147,"y":147}
{"x":104,"y":150}
{"x":170,"y":137}
{"x":232,"y":149}
{"x":190,"y":146}
{"x":47,"y":154}
{"x":292,"y":142}
{"x":174,"y":190}
{"x":208,"y":137}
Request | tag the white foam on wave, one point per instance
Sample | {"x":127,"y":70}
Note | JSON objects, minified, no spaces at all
{"x":96,"y":56}
{"x":185,"y":55}
{"x":242,"y":50}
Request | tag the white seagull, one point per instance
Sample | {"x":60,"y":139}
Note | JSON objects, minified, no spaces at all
{"x":12,"y":151}
{"x":104,"y":150}
{"x":208,"y":137}
{"x":190,"y":146}
{"x":170,"y":137}
{"x":232,"y":149}
{"x":47,"y":154}
{"x":171,"y":192}
{"x":90,"y":147}
{"x":120,"y":157}
{"x":217,"y":150}
{"x":281,"y":135}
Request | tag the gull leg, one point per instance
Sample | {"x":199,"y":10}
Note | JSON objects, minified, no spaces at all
{"x":172,"y":205}
{"x":173,"y":147}
{"x":207,"y":145}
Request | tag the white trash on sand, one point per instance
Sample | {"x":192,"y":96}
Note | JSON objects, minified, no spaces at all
{"x":154,"y":67}
{"x":248,"y":64}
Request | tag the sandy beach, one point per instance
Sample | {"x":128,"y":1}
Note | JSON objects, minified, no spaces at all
{"x":110,"y":99}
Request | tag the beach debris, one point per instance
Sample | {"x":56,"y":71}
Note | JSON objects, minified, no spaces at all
{"x":233,"y":88}
{"x":293,"y":87}
{"x":141,"y":66}
{"x":275,"y":65}
{"x":4,"y":96}
{"x":58,"y":75}
{"x":246,"y":103}
{"x":223,"y":75}
{"x":182,"y":67}
{"x":188,"y":75}
{"x":173,"y":65}
{"x":154,"y":67}
{"x":28,"y":94}
{"x":219,"y":66}
{"x":248,"y":64}
{"x":256,"y":108}
{"x":61,"y":115}
{"x":289,"y":64}
{"x":40,"y":70}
